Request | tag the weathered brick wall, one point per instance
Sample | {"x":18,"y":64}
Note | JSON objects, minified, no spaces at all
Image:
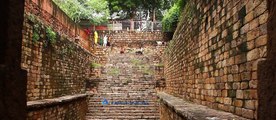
{"x":212,"y":59}
{"x":74,"y":110}
{"x":134,"y":39}
{"x":159,"y":67}
{"x":166,"y":113}
{"x":51,"y":15}
{"x":56,"y":69}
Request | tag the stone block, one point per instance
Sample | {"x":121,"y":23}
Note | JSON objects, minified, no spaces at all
{"x":262,"y":40}
{"x":248,"y":113}
{"x":254,"y":24}
{"x":240,"y":94}
{"x":250,"y":104}
{"x":244,"y":85}
{"x":253,"y":34}
{"x":253,"y":54}
{"x":238,"y":103}
{"x":263,"y":18}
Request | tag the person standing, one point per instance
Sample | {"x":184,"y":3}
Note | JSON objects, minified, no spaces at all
{"x":96,"y":37}
{"x":105,"y":41}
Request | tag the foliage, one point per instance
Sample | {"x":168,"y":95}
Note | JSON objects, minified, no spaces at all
{"x":38,"y":27}
{"x":136,"y":62}
{"x":39,"y":31}
{"x":127,"y":6}
{"x":131,"y":7}
{"x":51,"y":35}
{"x":146,"y":70}
{"x":113,"y":71}
{"x":94,"y":10}
{"x":95,"y":65}
{"x":35,"y":37}
{"x":171,"y":18}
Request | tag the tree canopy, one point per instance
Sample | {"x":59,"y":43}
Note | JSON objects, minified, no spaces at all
{"x":130,"y":7}
{"x":96,"y":11}
{"x":171,"y":18}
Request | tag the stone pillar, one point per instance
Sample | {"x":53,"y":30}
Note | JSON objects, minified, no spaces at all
{"x":13,"y":79}
{"x":267,"y":71}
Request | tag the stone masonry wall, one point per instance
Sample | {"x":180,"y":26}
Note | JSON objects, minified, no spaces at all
{"x":54,"y":69}
{"x":213,"y":57}
{"x":134,"y":39}
{"x":166,"y":113}
{"x":75,"y":110}
{"x":51,"y":15}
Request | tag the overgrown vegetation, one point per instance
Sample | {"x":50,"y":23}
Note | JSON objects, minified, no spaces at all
{"x":136,"y":62}
{"x":51,"y":36}
{"x":146,"y":70}
{"x":36,"y":32}
{"x":171,"y":18}
{"x":40,"y":31}
{"x":95,"y":65}
{"x":113,"y":71}
{"x":96,"y":11}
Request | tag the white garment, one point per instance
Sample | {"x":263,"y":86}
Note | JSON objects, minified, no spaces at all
{"x":105,"y":41}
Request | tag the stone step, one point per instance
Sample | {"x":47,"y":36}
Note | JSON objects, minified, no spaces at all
{"x":131,"y":84}
{"x":122,"y":114}
{"x":122,"y":117}
{"x":124,"y":110}
{"x":123,"y":106}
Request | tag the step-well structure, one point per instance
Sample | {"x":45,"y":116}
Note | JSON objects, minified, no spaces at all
{"x":220,"y":64}
{"x":126,"y":88}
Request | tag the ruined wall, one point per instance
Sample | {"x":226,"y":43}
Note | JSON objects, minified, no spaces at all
{"x":166,"y":113}
{"x":56,"y":67}
{"x":73,"y":110}
{"x":133,"y":38}
{"x":214,"y":55}
{"x":51,"y":15}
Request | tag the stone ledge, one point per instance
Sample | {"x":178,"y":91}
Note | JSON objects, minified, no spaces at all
{"x":191,"y":111}
{"x":52,"y":102}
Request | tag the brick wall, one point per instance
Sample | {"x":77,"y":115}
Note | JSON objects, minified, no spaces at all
{"x":74,"y":110}
{"x":166,"y":113}
{"x":51,"y":15}
{"x":56,"y":69}
{"x":134,"y":39}
{"x":212,"y":59}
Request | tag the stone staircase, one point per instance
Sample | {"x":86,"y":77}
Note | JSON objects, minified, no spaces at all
{"x":126,"y":89}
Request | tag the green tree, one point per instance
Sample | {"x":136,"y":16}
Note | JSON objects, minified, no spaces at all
{"x":94,"y":10}
{"x":171,"y":18}
{"x":156,"y":7}
{"x":130,"y":7}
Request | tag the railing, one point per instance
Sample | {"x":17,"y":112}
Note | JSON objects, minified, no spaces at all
{"x":137,"y":25}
